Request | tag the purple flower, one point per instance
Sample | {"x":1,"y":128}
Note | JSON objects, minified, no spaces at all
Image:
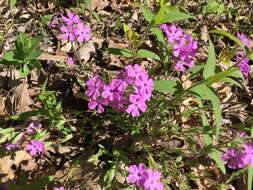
{"x":128,"y":92}
{"x":245,"y":40}
{"x":35,"y":148}
{"x":71,"y":19}
{"x":152,"y":181}
{"x":137,"y":105}
{"x":234,"y":158}
{"x":71,"y":28}
{"x":97,"y":104}
{"x":60,"y":188}
{"x":172,"y":32}
{"x":248,"y":152}
{"x":184,"y":47}
{"x":33,"y":127}
{"x":11,"y":146}
{"x":146,"y":179}
{"x":70,"y":60}
{"x":243,"y":63}
{"x":136,"y":175}
{"x":95,"y":86}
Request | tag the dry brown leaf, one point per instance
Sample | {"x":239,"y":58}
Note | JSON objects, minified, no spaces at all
{"x":85,"y":51}
{"x":6,"y":164}
{"x":19,"y":100}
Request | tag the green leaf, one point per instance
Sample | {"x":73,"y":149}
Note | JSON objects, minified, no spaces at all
{"x":122,"y":52}
{"x":230,"y":36}
{"x":168,"y":86}
{"x":148,"y":15}
{"x":231,"y":81}
{"x":34,"y":55}
{"x":221,"y":75}
{"x":250,"y":170}
{"x":9,"y":56}
{"x":159,"y":35}
{"x":209,"y":68}
{"x":24,"y":70}
{"x":206,"y":126}
{"x":143,"y":53}
{"x":207,"y":94}
{"x":170,"y":14}
{"x":13,"y":3}
{"x":216,"y":156}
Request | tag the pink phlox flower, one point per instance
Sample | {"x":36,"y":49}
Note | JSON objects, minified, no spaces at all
{"x":136,"y":175}
{"x":184,"y":47}
{"x":243,"y":63}
{"x":137,"y":104}
{"x":245,"y":40}
{"x":94,"y":87}
{"x":70,"y":60}
{"x":248,"y":151}
{"x":152,"y":181}
{"x":11,"y":146}
{"x":98,"y":104}
{"x":71,"y":18}
{"x":36,"y":148}
{"x":173,"y":33}
{"x":33,"y":127}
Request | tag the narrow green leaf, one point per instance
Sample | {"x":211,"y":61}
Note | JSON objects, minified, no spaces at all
{"x":230,"y":36}
{"x":122,"y":52}
{"x":209,"y":68}
{"x":168,"y":86}
{"x":206,"y":126}
{"x":9,"y":56}
{"x":170,"y":14}
{"x":147,"y":13}
{"x":207,"y":94}
{"x":143,"y":53}
{"x":216,"y":156}
{"x":221,"y":75}
{"x":13,"y":3}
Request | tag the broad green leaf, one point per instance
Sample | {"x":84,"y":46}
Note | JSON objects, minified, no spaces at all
{"x":230,"y":36}
{"x":143,"y":53}
{"x":9,"y":56}
{"x":122,"y":52}
{"x":34,"y":55}
{"x":207,"y":94}
{"x":168,"y":86}
{"x":170,"y":14}
{"x":209,"y":68}
{"x":13,"y":3}
{"x":147,"y":13}
{"x":159,"y":35}
{"x":216,"y":156}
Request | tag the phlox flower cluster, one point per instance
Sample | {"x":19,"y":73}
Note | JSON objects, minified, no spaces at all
{"x":184,"y":47}
{"x":71,"y":28}
{"x":239,"y":157}
{"x":144,"y":178}
{"x":241,"y":57}
{"x":128,"y":92}
{"x":33,"y":127}
{"x":36,"y":148}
